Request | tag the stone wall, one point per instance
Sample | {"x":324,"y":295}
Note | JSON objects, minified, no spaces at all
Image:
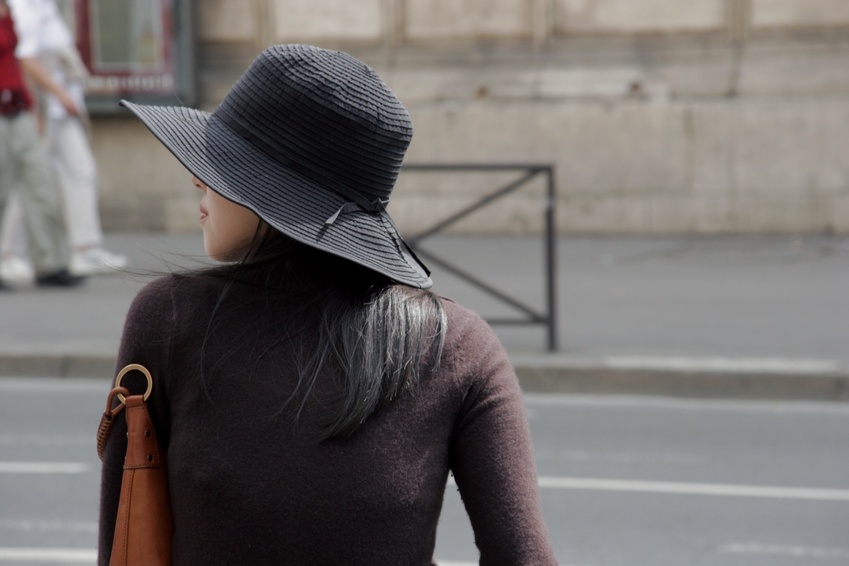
{"x":661,"y":116}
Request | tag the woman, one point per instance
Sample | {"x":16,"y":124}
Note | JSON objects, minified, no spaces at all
{"x":22,"y":158}
{"x":312,"y":394}
{"x":47,"y":53}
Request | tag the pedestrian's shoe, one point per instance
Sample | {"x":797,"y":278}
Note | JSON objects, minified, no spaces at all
{"x":14,"y":269}
{"x":96,"y":261}
{"x":61,"y":278}
{"x":4,"y":287}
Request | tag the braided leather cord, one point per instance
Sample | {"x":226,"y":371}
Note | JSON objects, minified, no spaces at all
{"x":108,"y":418}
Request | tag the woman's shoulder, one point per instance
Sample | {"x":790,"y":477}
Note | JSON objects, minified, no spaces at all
{"x":475,"y":359}
{"x":468,"y":338}
{"x":462,"y":320}
{"x":169,"y":290}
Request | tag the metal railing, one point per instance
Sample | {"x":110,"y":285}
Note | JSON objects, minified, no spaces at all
{"x":528,"y":173}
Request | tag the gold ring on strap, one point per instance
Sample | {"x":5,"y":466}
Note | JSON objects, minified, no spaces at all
{"x":134,"y":367}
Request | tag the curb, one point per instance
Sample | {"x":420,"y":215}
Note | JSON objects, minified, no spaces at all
{"x":779,"y":380}
{"x":700,"y":378}
{"x":57,"y":365}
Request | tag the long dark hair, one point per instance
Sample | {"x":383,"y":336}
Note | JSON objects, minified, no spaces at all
{"x":384,"y":336}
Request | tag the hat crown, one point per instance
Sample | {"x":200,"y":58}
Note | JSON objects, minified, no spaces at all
{"x":324,"y":114}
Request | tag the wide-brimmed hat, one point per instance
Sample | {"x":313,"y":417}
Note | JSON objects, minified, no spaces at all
{"x":312,"y":141}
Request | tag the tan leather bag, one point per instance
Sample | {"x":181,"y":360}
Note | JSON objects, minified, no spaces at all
{"x":144,"y":525}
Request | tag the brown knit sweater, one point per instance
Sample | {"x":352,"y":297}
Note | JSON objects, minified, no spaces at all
{"x":250,"y":485}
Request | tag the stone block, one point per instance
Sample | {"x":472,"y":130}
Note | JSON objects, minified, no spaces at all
{"x":424,"y":84}
{"x":137,"y":176}
{"x":839,"y":209}
{"x":700,"y":76}
{"x":768,"y":14}
{"x":130,"y":158}
{"x":468,"y":186}
{"x":597,"y":149}
{"x":643,"y":16}
{"x":601,"y":82}
{"x":182,"y":212}
{"x":795,"y":147}
{"x":772,"y":147}
{"x":431,"y":20}
{"x":690,"y":214}
{"x":328,"y":20}
{"x":512,"y":215}
{"x":784,"y":214}
{"x":140,"y":212}
{"x":714,"y":155}
{"x":603,"y":215}
{"x":227,"y":20}
{"x":788,"y":67}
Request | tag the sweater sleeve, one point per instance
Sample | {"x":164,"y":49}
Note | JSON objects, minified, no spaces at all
{"x":492,"y":457}
{"x":27,"y":23}
{"x":145,"y":341}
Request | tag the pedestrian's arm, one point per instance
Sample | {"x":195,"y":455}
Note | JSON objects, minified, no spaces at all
{"x":493,"y":463}
{"x":145,"y":341}
{"x":40,"y":76}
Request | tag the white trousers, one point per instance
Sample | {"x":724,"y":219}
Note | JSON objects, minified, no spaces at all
{"x":24,"y":167}
{"x":13,"y":235}
{"x":76,"y":171}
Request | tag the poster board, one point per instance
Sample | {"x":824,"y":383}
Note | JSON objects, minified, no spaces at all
{"x":141,"y":50}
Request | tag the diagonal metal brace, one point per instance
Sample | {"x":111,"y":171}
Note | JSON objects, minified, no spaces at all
{"x":530,"y":171}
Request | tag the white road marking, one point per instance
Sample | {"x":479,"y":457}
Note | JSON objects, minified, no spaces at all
{"x":795,"y":551}
{"x":82,"y":556}
{"x":34,"y":439}
{"x":38,"y":526}
{"x":737,"y":365}
{"x":43,"y":468}
{"x":52,"y":385}
{"x":820,"y":409}
{"x":684,"y":488}
{"x":45,"y":555}
{"x":553,"y":455}
{"x":462,"y":563}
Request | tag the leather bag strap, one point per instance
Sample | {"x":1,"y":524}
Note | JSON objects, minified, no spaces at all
{"x":144,"y":524}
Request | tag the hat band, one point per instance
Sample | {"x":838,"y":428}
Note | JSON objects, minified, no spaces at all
{"x":377,"y":205}
{"x":274,"y":153}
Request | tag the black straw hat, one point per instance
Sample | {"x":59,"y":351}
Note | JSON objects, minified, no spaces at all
{"x":312,"y":141}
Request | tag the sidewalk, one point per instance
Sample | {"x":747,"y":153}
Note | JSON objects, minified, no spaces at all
{"x":728,"y":317}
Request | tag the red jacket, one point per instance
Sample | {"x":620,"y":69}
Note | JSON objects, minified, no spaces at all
{"x":14,"y":97}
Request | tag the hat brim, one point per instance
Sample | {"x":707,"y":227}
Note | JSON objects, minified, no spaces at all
{"x":286,"y":200}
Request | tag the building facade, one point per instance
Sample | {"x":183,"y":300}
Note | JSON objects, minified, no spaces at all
{"x":660,"y":116}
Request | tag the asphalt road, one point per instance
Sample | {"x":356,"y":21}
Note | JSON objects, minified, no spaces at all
{"x":624,"y":481}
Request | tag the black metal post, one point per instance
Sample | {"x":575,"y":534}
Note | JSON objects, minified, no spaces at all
{"x":551,"y":260}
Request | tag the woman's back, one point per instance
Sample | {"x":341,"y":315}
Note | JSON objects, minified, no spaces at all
{"x":252,"y":485}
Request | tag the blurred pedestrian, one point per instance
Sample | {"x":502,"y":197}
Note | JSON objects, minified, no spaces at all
{"x":311,"y":394}
{"x":15,"y":266}
{"x":48,"y":55}
{"x":23,"y":163}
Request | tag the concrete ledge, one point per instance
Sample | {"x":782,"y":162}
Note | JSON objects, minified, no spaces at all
{"x":786,"y":380}
{"x":747,"y":379}
{"x":62,"y":366}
